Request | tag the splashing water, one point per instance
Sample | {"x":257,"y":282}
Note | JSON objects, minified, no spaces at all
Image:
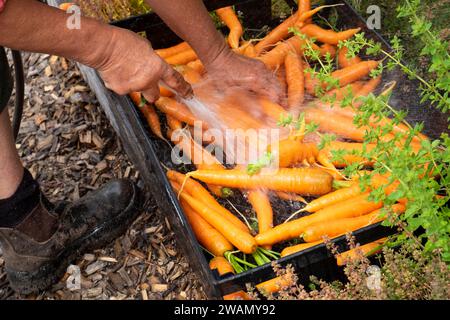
{"x":235,"y":118}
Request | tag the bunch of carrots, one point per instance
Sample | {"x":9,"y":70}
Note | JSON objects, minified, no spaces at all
{"x":339,"y":205}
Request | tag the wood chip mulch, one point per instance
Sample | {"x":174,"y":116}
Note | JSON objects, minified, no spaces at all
{"x":67,"y":144}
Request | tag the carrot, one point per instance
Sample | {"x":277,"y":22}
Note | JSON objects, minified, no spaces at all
{"x":228,"y":16}
{"x":290,"y":196}
{"x":250,"y":51}
{"x":153,"y":120}
{"x":277,"y":34}
{"x":164,"y":92}
{"x":304,"y":6}
{"x":203,"y":137}
{"x":238,"y":295}
{"x":344,"y":76}
{"x":364,"y":250}
{"x":66,"y":5}
{"x":333,"y":198}
{"x":327,"y":48}
{"x":281,"y":76}
{"x":295,"y":80}
{"x":149,"y":114}
{"x":273,"y":110}
{"x":189,"y":74}
{"x":369,"y":87}
{"x":240,"y":239}
{"x":206,"y":235}
{"x":327,"y":153}
{"x":174,"y":123}
{"x":352,"y":207}
{"x":328,"y":36}
{"x":182,"y":58}
{"x":196,"y":189}
{"x":175,"y":109}
{"x":171,"y":51}
{"x":197,"y":65}
{"x":304,"y":181}
{"x":202,"y":159}
{"x":297,"y":248}
{"x":345,"y":62}
{"x":274,"y":285}
{"x":349,"y":90}
{"x":289,"y":152}
{"x":317,"y":231}
{"x":221,"y":265}
{"x":261,"y":204}
{"x":335,"y":123}
{"x":274,"y":58}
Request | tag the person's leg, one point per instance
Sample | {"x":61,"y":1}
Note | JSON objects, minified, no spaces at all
{"x":11,"y":169}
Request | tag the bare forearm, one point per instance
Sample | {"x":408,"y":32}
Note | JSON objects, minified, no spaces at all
{"x":190,"y":20}
{"x":32,"y":26}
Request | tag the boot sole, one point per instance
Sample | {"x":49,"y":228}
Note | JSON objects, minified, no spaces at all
{"x":25,"y":283}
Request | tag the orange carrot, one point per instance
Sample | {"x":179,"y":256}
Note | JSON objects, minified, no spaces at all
{"x":352,"y":207}
{"x":182,"y":57}
{"x":277,"y":34}
{"x":238,"y":295}
{"x":335,"y":123}
{"x":167,"y":52}
{"x":66,"y":5}
{"x":327,"y":48}
{"x":295,"y":80}
{"x":328,"y":36}
{"x":364,"y":250}
{"x":345,"y":62}
{"x":273,"y":110}
{"x":197,"y":65}
{"x":189,"y":74}
{"x":289,"y":152}
{"x":327,"y":153}
{"x":221,"y":265}
{"x":175,"y":109}
{"x":290,"y":196}
{"x":297,"y":248}
{"x":304,"y":6}
{"x":333,"y":228}
{"x":261,"y":204}
{"x":206,"y":139}
{"x":240,"y":239}
{"x":202,"y":159}
{"x":206,"y":235}
{"x":149,"y":114}
{"x":274,"y":58}
{"x":274,"y":285}
{"x":349,"y":90}
{"x":344,"y":76}
{"x":196,"y":189}
{"x":369,"y":87}
{"x":164,"y":92}
{"x":333,"y":198}
{"x":228,"y":16}
{"x":304,"y":181}
{"x":174,"y":123}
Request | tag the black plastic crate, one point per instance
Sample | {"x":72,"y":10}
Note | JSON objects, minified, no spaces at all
{"x":147,"y":152}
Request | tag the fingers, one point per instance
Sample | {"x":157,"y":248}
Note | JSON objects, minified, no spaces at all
{"x":175,"y":81}
{"x":151,"y":94}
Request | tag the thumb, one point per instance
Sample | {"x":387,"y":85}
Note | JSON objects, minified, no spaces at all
{"x":174,"y":80}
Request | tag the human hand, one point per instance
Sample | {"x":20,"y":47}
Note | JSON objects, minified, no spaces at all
{"x":131,"y":64}
{"x":232,"y":69}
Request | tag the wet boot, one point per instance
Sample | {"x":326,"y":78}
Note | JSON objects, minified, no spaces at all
{"x":38,"y":249}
